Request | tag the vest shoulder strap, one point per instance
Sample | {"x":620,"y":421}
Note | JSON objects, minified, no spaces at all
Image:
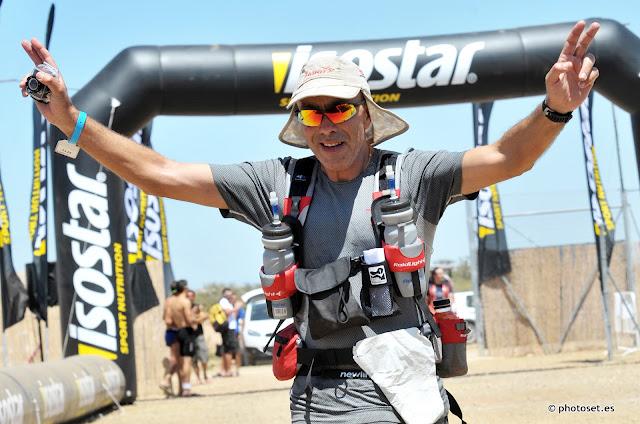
{"x":301,"y":177}
{"x":381,"y":185}
{"x":380,"y":181}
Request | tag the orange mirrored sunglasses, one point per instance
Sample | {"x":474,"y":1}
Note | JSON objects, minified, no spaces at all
{"x":337,"y":114}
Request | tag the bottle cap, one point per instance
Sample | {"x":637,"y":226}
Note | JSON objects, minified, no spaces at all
{"x":275,"y":207}
{"x":441,"y":303}
{"x":391,"y":181}
{"x":395,"y":205}
{"x":275,"y":231}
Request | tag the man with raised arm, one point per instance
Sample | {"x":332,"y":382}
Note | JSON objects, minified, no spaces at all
{"x":333,"y":115}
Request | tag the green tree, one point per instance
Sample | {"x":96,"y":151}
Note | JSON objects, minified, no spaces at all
{"x":461,"y":275}
{"x":211,"y":293}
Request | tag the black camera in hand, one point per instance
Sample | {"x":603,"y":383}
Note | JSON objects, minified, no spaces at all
{"x":37,"y":90}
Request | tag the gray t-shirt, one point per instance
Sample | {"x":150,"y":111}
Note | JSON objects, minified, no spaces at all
{"x":338,"y":222}
{"x":339,"y":219}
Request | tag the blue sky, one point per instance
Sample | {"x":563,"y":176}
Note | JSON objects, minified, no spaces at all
{"x":203,"y":245}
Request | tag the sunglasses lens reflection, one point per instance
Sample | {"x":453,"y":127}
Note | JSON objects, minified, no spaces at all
{"x":338,"y":114}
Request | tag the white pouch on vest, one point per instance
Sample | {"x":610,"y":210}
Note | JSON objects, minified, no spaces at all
{"x":402,"y":364}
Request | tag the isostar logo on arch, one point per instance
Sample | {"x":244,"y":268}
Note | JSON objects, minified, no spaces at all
{"x":397,"y":67}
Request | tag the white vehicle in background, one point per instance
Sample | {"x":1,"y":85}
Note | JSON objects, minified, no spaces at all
{"x":463,"y":307}
{"x":258,"y":327}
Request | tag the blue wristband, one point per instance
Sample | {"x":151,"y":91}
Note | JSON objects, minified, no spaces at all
{"x":82,"y":118}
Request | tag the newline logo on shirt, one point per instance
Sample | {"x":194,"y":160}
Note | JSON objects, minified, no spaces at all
{"x":353,"y":374}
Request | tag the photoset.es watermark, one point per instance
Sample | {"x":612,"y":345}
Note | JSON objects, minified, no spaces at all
{"x":566,"y":408}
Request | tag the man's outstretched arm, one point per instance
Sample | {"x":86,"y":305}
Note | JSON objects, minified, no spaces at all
{"x":140,"y":165}
{"x":568,"y":84}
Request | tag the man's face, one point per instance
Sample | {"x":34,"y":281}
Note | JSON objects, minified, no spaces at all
{"x":191,"y":296}
{"x":342,"y":149}
{"x":227,"y":294}
{"x":439,"y":275}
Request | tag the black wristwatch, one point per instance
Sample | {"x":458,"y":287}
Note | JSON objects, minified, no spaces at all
{"x":554,"y":116}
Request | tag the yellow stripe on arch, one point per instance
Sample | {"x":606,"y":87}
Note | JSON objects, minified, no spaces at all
{"x":280,"y":66}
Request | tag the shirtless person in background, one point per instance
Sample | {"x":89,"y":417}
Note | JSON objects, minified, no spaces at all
{"x":179,"y":337}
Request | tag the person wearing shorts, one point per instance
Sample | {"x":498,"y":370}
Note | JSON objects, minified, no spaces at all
{"x":201,"y":356}
{"x":187,"y":341}
{"x":229,"y":337}
{"x":179,"y":338}
{"x":170,"y":336}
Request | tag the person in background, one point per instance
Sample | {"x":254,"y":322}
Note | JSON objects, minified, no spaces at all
{"x":238,"y":306}
{"x":440,"y":287}
{"x":178,"y":319}
{"x":201,"y":356}
{"x":229,"y":337}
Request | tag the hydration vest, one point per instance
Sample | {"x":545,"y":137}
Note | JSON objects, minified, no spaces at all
{"x":300,"y":183}
{"x":299,"y":186}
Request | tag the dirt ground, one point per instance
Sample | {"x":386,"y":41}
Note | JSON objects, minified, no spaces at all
{"x":496,"y":390}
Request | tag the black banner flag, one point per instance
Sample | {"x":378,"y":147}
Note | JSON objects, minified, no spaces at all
{"x":143,"y":294}
{"x":13,"y":293}
{"x":493,"y":255}
{"x":52,"y":14}
{"x":600,"y":211}
{"x":155,"y":243}
{"x":38,"y":270}
{"x":167,"y":268}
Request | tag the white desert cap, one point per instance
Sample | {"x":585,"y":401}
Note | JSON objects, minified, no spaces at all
{"x":336,"y":77}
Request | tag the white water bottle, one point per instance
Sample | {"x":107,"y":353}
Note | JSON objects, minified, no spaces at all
{"x":278,"y":258}
{"x":400,"y":231}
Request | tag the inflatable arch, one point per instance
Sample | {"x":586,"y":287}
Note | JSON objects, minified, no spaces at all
{"x":58,"y":391}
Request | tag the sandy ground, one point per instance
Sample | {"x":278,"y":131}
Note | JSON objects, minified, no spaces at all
{"x":496,"y":390}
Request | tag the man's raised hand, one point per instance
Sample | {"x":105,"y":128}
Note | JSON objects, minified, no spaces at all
{"x":59,"y":111}
{"x":571,"y":78}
